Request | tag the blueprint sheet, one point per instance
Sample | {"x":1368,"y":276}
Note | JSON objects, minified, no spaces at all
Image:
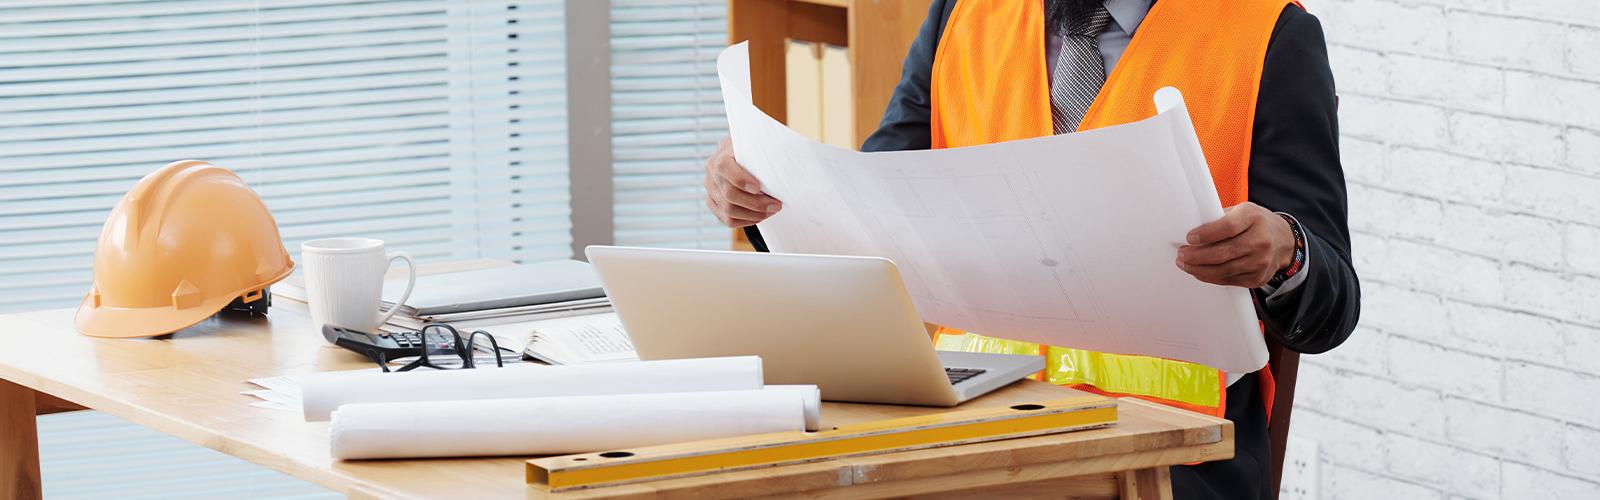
{"x":1067,"y":240}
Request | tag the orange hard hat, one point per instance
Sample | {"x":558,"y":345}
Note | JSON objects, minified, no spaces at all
{"x":184,"y":243}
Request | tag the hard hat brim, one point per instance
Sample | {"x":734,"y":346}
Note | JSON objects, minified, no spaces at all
{"x":127,"y":323}
{"x":124,"y":323}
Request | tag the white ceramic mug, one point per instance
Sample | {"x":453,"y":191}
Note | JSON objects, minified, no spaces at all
{"x":344,"y":281}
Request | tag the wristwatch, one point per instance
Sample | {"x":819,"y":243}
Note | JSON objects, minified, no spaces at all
{"x":1284,"y":274}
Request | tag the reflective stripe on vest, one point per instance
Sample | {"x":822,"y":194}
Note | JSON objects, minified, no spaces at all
{"x":990,"y":84}
{"x":1190,"y":386}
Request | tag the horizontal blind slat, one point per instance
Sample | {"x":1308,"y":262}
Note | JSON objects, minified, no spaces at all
{"x":667,"y":113}
{"x":349,"y":118}
{"x":146,"y":41}
{"x":424,"y":59}
{"x":118,"y":99}
{"x":242,"y":17}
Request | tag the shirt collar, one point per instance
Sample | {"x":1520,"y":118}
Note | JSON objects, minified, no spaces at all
{"x":1128,"y":13}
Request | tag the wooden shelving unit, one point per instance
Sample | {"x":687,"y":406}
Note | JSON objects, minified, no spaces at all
{"x":876,"y":33}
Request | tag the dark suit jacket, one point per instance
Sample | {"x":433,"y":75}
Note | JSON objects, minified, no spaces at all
{"x":1294,"y":168}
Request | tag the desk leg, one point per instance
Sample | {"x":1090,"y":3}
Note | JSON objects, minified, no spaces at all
{"x":1147,"y":484}
{"x":19,"y":444}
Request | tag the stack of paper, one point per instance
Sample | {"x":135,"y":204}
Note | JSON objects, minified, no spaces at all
{"x":505,"y":301}
{"x":570,"y":340}
{"x":499,"y":292}
{"x":577,"y":340}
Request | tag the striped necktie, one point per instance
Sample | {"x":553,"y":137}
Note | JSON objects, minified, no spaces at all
{"x":1080,"y":71}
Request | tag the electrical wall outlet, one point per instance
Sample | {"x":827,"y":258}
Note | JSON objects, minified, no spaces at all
{"x":1300,"y":475}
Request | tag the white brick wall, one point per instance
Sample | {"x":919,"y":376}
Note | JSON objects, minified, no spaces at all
{"x":1471,"y":145}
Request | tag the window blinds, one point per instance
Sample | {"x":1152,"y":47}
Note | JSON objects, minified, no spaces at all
{"x":436,"y":125}
{"x":667,"y":118}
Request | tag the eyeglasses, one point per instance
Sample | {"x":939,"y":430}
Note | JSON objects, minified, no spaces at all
{"x":463,"y":350}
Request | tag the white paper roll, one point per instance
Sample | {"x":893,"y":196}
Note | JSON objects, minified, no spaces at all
{"x":557,"y":425}
{"x":324,"y":392}
{"x":812,"y":396}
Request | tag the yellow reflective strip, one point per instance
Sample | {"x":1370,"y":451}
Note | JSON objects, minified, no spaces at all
{"x":1142,"y":375}
{"x":1119,"y":373}
{"x":972,"y":342}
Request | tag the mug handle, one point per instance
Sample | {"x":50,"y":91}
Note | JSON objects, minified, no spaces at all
{"x":411,"y":281}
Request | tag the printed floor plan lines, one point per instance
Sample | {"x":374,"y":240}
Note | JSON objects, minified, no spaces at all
{"x":1032,"y":240}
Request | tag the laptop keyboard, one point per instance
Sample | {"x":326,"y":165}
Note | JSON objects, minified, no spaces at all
{"x":959,"y":375}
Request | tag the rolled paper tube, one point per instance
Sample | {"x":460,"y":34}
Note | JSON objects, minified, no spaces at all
{"x":557,"y":425}
{"x":324,"y":392}
{"x":813,"y":400}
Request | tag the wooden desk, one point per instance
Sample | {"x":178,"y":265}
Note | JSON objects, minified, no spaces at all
{"x":188,"y":386}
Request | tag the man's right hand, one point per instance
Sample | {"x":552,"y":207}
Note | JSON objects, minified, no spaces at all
{"x":732,"y":193}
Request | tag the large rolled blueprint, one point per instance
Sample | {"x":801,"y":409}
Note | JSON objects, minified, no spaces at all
{"x":1066,"y":240}
{"x":323,"y":392}
{"x":556,"y":425}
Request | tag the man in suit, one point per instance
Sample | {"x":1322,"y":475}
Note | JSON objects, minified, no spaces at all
{"x":1256,"y":75}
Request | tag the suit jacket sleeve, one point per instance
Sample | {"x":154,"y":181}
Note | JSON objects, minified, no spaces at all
{"x":905,"y":123}
{"x":1294,"y":168}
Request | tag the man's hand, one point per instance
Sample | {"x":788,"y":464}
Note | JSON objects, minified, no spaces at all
{"x":732,"y":193}
{"x":1246,"y":247}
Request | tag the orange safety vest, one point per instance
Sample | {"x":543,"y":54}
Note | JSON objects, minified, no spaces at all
{"x":990,"y":84}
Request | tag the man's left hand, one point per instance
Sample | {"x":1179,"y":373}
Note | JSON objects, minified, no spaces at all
{"x":1246,"y":247}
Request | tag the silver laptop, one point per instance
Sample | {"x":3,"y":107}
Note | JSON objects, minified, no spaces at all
{"x":845,"y":324}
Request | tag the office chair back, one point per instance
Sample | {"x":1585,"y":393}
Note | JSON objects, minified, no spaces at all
{"x":1285,"y":366}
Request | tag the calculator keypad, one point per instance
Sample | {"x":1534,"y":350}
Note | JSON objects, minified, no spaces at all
{"x":415,"y":340}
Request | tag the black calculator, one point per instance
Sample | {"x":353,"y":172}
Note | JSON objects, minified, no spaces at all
{"x":391,"y":345}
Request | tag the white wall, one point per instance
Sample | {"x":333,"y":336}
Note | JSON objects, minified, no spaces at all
{"x":1471,"y":144}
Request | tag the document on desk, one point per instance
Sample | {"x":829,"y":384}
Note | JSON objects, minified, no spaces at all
{"x":594,"y":338}
{"x":1067,"y":240}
